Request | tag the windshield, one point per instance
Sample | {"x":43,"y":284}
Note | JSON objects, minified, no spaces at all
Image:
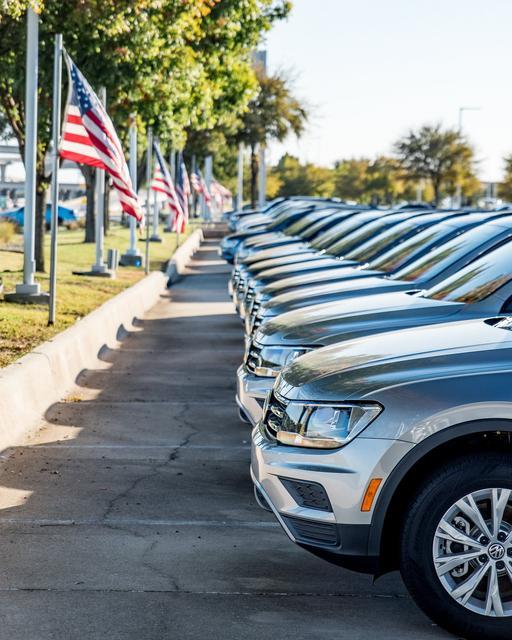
{"x":476,"y":281}
{"x":340,"y":230}
{"x":387,"y":239}
{"x":300,"y":224}
{"x":359,"y":236}
{"x":397,"y":258}
{"x":329,"y":220}
{"x":437,"y":260}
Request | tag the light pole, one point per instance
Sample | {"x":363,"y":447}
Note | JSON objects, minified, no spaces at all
{"x":458,"y":193}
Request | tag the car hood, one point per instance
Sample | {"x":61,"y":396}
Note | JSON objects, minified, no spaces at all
{"x":291,"y":259}
{"x":284,"y":271}
{"x":275,"y":252}
{"x":334,"y":321}
{"x":336,"y":291}
{"x":357,"y":369}
{"x":309,"y":279}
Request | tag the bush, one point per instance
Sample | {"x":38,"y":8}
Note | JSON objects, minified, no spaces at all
{"x":7,"y":231}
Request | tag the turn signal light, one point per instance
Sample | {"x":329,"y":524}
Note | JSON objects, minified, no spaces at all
{"x":370,"y":494}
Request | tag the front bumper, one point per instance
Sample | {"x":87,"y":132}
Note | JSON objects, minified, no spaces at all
{"x":340,"y":532}
{"x":251,"y":392}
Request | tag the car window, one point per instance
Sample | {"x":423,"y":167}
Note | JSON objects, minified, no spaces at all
{"x":387,"y":238}
{"x":476,"y":281}
{"x":435,"y":261}
{"x":342,"y":229}
{"x":317,"y":227}
{"x":397,"y":257}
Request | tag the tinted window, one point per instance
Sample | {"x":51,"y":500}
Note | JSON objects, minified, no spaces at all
{"x":435,"y":261}
{"x":385,"y":239}
{"x":397,"y":257}
{"x":316,"y":228}
{"x":358,"y":237}
{"x":478,"y":280}
{"x":342,"y":229}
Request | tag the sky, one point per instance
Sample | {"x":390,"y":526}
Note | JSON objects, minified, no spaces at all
{"x":372,"y":69}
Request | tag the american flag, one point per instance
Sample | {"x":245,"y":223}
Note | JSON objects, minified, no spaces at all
{"x":220,"y":194}
{"x":183,"y":191}
{"x":199,"y":186}
{"x":89,"y":137}
{"x":162,"y":182}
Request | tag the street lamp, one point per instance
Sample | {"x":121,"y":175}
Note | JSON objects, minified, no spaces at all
{"x":458,"y":194}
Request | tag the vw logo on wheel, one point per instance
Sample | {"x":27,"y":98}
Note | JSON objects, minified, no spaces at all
{"x":496,"y":551}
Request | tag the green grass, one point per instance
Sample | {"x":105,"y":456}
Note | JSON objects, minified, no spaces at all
{"x":23,"y":327}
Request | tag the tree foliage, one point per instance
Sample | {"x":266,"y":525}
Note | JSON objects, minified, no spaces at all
{"x":294,"y":178}
{"x":273,"y":114}
{"x":180,"y":65}
{"x":442,"y":156}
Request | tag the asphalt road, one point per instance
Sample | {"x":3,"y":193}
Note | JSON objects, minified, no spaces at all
{"x":130,"y":515}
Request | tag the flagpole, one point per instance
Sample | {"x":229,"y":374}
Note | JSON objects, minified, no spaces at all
{"x":172,"y":171}
{"x":240,"y":178}
{"x":29,"y":290}
{"x":57,"y":92}
{"x":154,"y":236}
{"x":149,"y":162}
{"x":100,"y":268}
{"x":132,"y":256}
{"x":208,"y":174}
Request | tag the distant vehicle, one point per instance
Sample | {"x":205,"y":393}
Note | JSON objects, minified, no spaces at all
{"x":17,"y":216}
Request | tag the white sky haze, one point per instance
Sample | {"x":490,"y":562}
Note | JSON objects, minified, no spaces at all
{"x":371,"y":69}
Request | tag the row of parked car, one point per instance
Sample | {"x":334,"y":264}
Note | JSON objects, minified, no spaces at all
{"x":378,"y":378}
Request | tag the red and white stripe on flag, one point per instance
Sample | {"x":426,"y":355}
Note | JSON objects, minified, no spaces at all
{"x":89,"y":137}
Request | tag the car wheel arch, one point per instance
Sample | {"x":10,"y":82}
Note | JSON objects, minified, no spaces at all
{"x":416,"y":465}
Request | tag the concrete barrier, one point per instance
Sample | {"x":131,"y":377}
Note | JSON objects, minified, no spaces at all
{"x":29,"y":386}
{"x":178,"y":262}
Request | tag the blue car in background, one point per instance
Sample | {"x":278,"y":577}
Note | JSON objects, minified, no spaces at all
{"x":17,"y":216}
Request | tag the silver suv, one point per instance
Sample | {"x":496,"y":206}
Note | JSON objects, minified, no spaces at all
{"x":395,"y":451}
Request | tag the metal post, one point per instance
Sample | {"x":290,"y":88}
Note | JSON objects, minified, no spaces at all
{"x":149,"y":167}
{"x":57,"y":90}
{"x":99,"y":266}
{"x":262,"y":195}
{"x":240,"y":178}
{"x":208,"y":175}
{"x":132,"y":256}
{"x":170,"y":217}
{"x":29,"y":286}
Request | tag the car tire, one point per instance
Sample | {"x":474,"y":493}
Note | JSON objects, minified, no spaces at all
{"x":424,"y":546}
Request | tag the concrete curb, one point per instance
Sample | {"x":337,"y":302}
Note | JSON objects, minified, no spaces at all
{"x":182,"y":255}
{"x":29,"y":386}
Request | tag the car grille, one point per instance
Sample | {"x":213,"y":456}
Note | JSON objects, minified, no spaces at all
{"x":274,"y":415}
{"x":249,"y":298}
{"x":240,"y":286}
{"x":256,"y":322}
{"x":321,"y":534}
{"x":253,"y":359}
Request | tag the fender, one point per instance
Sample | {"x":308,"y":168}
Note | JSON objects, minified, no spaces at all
{"x":411,"y":459}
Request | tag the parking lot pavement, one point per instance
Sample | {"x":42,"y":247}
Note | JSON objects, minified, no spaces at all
{"x":131,"y":515}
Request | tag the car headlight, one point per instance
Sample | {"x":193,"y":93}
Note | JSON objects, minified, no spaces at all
{"x":323,"y":426}
{"x":272,"y":359}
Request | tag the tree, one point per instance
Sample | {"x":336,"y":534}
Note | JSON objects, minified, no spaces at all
{"x":273,"y":114}
{"x":505,"y":186}
{"x":158,"y":59}
{"x":442,"y":156}
{"x":295,"y":178}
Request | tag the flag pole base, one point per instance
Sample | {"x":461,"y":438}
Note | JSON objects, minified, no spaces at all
{"x":96,"y":273}
{"x":155,"y":238}
{"x":27,"y":298}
